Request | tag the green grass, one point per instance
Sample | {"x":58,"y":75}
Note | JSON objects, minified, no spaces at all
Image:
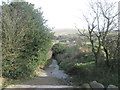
{"x":84,"y":64}
{"x":81,"y":66}
{"x":89,"y":72}
{"x":88,"y":43}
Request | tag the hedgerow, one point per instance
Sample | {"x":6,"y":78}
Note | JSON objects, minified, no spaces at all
{"x":26,"y":39}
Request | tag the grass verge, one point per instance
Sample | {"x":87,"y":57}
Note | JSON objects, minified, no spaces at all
{"x":88,"y":72}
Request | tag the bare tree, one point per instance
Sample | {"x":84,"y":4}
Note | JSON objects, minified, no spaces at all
{"x":101,"y":20}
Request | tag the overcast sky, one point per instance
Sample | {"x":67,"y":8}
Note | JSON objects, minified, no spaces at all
{"x":63,"y":13}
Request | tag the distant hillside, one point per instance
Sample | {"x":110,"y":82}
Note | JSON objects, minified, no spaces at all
{"x":65,"y":31}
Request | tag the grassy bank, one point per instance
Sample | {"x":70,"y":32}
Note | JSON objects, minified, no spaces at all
{"x":88,"y":72}
{"x":79,"y":62}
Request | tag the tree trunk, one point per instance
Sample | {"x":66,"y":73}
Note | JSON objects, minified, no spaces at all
{"x":96,"y":59}
{"x":107,"y":57}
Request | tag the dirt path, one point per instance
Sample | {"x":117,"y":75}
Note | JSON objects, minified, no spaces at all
{"x":50,"y":76}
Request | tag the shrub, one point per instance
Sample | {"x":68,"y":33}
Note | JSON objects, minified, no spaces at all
{"x":25,"y":39}
{"x":58,"y":48}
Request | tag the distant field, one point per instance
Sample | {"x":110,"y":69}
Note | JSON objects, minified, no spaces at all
{"x":65,"y":31}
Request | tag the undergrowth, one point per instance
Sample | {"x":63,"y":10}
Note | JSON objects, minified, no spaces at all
{"x":81,"y":66}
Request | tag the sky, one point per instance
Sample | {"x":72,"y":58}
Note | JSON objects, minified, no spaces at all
{"x":63,"y":14}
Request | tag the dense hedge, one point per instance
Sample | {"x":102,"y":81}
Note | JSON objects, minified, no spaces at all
{"x":58,"y":48}
{"x":26,"y":39}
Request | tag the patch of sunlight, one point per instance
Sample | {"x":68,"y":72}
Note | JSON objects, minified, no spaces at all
{"x":41,"y":73}
{"x":88,"y":43}
{"x":84,"y":64}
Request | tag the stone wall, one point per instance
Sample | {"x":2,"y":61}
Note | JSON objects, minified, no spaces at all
{"x":95,"y":85}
